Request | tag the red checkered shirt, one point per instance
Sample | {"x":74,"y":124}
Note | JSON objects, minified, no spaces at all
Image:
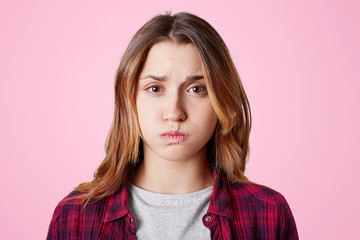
{"x":236,"y":211}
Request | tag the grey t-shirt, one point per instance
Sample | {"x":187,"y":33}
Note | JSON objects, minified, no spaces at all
{"x":168,"y":216}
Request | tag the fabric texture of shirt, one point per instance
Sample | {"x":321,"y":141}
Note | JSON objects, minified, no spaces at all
{"x":162,"y":216}
{"x":236,"y":211}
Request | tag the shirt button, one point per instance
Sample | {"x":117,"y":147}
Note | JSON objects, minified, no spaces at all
{"x":130,"y":220}
{"x":208,"y":218}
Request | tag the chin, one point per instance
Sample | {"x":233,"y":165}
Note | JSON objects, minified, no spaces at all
{"x":175,"y":156}
{"x":178,"y":154}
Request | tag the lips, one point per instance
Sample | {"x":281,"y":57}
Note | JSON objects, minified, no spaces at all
{"x":174,"y":136}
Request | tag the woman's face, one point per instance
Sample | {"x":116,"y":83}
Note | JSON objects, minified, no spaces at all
{"x":175,"y":114}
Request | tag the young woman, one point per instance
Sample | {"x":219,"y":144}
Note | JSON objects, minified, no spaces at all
{"x":177,"y":148}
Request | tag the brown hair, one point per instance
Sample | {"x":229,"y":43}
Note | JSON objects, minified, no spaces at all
{"x":228,"y":148}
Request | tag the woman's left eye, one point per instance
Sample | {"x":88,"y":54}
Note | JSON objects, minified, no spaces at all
{"x":198,"y":89}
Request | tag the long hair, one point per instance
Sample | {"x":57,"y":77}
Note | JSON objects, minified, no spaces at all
{"x":228,"y":148}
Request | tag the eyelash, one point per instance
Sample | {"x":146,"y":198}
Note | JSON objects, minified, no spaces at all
{"x":196,"y":86}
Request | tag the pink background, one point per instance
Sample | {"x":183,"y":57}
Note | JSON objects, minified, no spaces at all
{"x":299,"y":61}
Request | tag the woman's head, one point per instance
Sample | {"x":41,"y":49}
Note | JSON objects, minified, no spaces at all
{"x":228,"y":146}
{"x":176,"y":117}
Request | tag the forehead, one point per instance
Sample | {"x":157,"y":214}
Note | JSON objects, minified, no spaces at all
{"x":166,"y":55}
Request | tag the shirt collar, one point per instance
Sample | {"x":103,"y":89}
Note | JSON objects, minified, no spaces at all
{"x":220,"y":200}
{"x":118,"y":205}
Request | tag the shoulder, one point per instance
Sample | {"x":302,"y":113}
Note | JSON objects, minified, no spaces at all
{"x":72,"y":218}
{"x":261,"y":209}
{"x":258,"y":197}
{"x":72,"y":209}
{"x":68,"y":206}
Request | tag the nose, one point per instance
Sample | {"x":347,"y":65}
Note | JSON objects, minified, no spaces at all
{"x":174,"y":108}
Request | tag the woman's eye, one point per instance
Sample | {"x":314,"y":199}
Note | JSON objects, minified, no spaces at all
{"x":154,"y":89}
{"x":198,"y":89}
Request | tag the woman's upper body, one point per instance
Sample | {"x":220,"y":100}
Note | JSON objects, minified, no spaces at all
{"x":236,"y":211}
{"x":181,"y":125}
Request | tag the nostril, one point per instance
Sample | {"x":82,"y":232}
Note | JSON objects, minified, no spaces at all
{"x":177,"y":116}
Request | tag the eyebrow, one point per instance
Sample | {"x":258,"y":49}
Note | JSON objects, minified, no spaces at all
{"x":163,"y":78}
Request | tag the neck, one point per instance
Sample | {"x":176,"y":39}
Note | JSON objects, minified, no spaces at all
{"x":173,"y":177}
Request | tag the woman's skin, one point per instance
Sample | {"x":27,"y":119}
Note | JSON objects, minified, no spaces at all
{"x":171,"y":96}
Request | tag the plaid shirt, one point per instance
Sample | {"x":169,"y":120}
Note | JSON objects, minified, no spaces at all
{"x":236,"y":211}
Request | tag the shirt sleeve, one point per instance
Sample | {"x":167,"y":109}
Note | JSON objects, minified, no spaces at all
{"x":287,"y":225}
{"x":53,"y":233}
